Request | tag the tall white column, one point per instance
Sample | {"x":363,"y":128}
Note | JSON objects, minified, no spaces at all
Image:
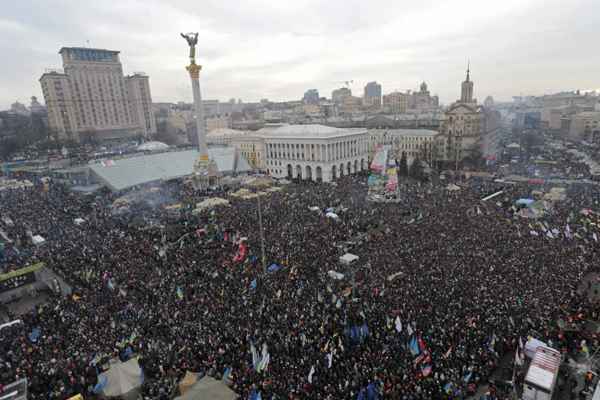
{"x":199,"y":113}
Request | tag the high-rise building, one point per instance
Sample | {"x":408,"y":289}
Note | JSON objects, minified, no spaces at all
{"x":140,"y":102}
{"x":311,"y":96}
{"x":338,"y":95}
{"x":395,"y":103}
{"x":93,"y":99}
{"x":372,"y":97}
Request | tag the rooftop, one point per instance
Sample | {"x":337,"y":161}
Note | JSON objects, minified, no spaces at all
{"x":139,"y":170}
{"x":588,"y":114}
{"x":407,"y":132}
{"x":225,"y":132}
{"x":313,"y":131}
{"x":86,"y":48}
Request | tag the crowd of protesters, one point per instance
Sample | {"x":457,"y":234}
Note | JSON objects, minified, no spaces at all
{"x":445,"y":286}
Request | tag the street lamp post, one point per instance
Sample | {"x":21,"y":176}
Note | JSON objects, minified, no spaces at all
{"x":262,"y":236}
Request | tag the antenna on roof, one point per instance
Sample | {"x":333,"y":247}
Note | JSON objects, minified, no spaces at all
{"x":87,"y":42}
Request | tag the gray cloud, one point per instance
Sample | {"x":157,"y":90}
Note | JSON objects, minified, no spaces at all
{"x":260,"y":48}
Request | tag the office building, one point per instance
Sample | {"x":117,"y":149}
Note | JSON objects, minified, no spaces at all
{"x":92,"y":99}
{"x":395,"y":103}
{"x":311,"y":96}
{"x":372,"y":96}
{"x":338,"y":95}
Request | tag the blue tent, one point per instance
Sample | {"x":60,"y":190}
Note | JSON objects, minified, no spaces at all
{"x":525,"y":202}
{"x":274,"y":268}
{"x":35,"y":335}
{"x":102,"y":383}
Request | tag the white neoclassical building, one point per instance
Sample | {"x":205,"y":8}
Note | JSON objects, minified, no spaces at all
{"x":248,"y":143}
{"x":314,"y":152}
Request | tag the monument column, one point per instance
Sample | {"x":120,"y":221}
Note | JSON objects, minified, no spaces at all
{"x":205,"y":169}
{"x":194,"y":71}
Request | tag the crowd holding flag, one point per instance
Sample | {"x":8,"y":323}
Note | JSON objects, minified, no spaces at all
{"x":398,"y":325}
{"x":260,"y":362}
{"x":242,"y":251}
{"x":413,"y":346}
{"x":311,"y":373}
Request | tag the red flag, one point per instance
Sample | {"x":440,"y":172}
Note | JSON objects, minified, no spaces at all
{"x":422,"y":346}
{"x":426,"y":370}
{"x":241,"y":253}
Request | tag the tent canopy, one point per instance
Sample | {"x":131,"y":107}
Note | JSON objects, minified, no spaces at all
{"x":531,"y":346}
{"x":348,"y":258}
{"x":525,"y":202}
{"x":187,"y":382}
{"x":122,"y":379}
{"x":208,"y":388}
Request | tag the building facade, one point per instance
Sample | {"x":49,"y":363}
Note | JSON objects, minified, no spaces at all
{"x":423,"y":100}
{"x":140,"y":102}
{"x":92,"y":98}
{"x":351,"y":105}
{"x":414,"y":143}
{"x":395,"y":103}
{"x":311,"y":96}
{"x":315,"y":152}
{"x":372,"y":96}
{"x":249,"y":144}
{"x":460,"y":131}
{"x":19,"y":108}
{"x":338,"y":95}
{"x":585,"y":126}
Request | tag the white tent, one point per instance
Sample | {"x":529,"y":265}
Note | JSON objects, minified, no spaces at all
{"x":152,"y":146}
{"x":123,"y":379}
{"x":210,"y":204}
{"x":348,"y":258}
{"x":38,"y":240}
{"x":208,"y":388}
{"x":532,"y":345}
{"x":335,"y":275}
{"x":332,"y":215}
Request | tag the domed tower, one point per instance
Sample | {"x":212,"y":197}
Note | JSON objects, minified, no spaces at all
{"x":423,"y":87}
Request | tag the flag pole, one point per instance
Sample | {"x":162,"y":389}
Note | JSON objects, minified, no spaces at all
{"x":262,"y":236}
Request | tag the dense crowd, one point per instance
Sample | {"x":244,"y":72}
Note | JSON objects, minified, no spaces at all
{"x":463,"y":279}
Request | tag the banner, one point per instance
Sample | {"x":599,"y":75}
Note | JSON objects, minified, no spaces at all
{"x":392,"y":180}
{"x":21,"y":271}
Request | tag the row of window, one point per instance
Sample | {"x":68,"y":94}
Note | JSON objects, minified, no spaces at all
{"x":318,"y":152}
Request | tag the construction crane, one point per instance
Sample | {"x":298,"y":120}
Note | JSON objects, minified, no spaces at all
{"x":346,"y":83}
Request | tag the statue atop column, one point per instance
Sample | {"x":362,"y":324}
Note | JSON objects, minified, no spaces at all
{"x":192,"y":39}
{"x":205,"y":169}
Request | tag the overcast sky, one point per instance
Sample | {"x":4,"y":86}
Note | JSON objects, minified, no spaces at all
{"x":276,"y":49}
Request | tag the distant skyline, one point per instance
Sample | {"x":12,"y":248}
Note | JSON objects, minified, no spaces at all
{"x":257,"y":49}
